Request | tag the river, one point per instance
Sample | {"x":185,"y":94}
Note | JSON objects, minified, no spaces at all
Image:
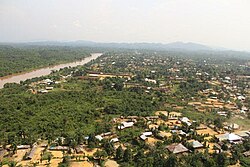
{"x":16,"y":78}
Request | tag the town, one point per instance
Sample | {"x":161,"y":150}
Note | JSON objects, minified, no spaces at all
{"x":146,"y":109}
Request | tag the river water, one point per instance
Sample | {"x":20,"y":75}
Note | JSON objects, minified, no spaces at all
{"x":16,"y":78}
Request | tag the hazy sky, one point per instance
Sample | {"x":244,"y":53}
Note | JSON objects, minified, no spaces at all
{"x":224,"y":23}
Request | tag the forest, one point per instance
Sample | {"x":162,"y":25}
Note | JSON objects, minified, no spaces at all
{"x":20,"y":59}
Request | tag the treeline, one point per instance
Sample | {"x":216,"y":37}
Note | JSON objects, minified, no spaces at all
{"x":20,"y":59}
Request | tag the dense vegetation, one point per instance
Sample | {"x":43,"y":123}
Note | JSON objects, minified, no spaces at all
{"x":64,"y":113}
{"x":19,"y":59}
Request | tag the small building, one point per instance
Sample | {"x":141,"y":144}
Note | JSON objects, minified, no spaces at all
{"x":49,"y":88}
{"x":201,"y":127}
{"x":99,"y":137}
{"x":114,"y":140}
{"x":47,"y":81}
{"x":234,"y":126}
{"x":59,"y":148}
{"x":106,"y":134}
{"x":32,"y":152}
{"x":185,"y":120}
{"x":125,"y":125}
{"x":231,"y":137}
{"x":165,"y":134}
{"x":152,"y":117}
{"x":246,"y":154}
{"x":150,"y":80}
{"x":23,"y":147}
{"x":145,"y":135}
{"x":177,"y":148}
{"x":196,"y":144}
{"x":79,"y":149}
{"x":42,"y":91}
{"x":242,"y":134}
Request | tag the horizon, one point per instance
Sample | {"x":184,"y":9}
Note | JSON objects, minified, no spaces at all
{"x":210,"y":22}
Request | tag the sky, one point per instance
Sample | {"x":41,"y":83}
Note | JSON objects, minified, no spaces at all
{"x":223,"y":23}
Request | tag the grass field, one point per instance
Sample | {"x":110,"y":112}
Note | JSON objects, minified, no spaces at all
{"x":244,"y":123}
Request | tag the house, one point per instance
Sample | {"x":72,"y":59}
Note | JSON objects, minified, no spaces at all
{"x":79,"y":149}
{"x":32,"y":152}
{"x":47,"y":81}
{"x":49,"y":88}
{"x":177,"y":148}
{"x":150,"y":80}
{"x":125,"y":125}
{"x":23,"y":147}
{"x":44,"y":145}
{"x":165,"y":134}
{"x":42,"y":91}
{"x":153,"y":126}
{"x":99,"y":137}
{"x":175,"y":114}
{"x":59,"y":148}
{"x":196,"y":144}
{"x":106,"y":134}
{"x":234,"y":126}
{"x":114,"y":140}
{"x":246,"y":154}
{"x":152,"y":117}
{"x":242,"y":134}
{"x":201,"y":127}
{"x":185,"y":120}
{"x":145,"y":135}
{"x":231,"y":137}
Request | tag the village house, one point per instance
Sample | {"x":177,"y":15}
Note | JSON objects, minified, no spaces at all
{"x":195,"y":144}
{"x":32,"y":152}
{"x":114,"y":140}
{"x":246,"y":154}
{"x":186,"y":120}
{"x":231,"y":137}
{"x":125,"y":125}
{"x":99,"y":137}
{"x":49,"y":88}
{"x":23,"y":146}
{"x":177,"y":148}
{"x":145,"y":135}
{"x":150,"y":80}
{"x":59,"y":148}
{"x":242,"y":134}
{"x":79,"y":149}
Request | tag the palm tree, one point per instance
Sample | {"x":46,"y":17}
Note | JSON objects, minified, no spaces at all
{"x":12,"y":163}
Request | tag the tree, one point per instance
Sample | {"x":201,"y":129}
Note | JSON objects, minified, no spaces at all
{"x":100,"y":154}
{"x":218,"y":122}
{"x":92,"y":141}
{"x":128,"y":156}
{"x":221,"y":159}
{"x":12,"y":163}
{"x":49,"y":158}
{"x":171,"y":161}
{"x":65,"y":162}
{"x":108,"y":147}
{"x":119,"y":153}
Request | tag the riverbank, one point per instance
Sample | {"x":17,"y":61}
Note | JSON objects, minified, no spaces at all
{"x":16,"y":78}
